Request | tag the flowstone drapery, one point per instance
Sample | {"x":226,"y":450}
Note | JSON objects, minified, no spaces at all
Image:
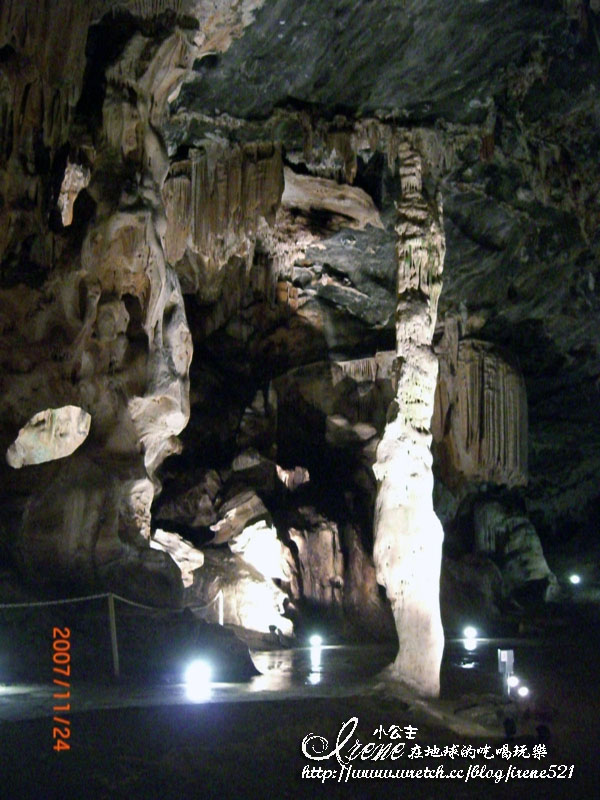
{"x":408,"y":535}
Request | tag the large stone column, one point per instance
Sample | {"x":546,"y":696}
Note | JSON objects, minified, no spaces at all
{"x":408,"y":535}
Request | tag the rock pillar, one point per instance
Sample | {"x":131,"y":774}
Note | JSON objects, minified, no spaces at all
{"x":408,"y":535}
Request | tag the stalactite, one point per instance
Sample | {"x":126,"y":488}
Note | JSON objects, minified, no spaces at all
{"x":152,"y":8}
{"x":484,"y":399}
{"x":231,"y":188}
{"x":364,"y":369}
{"x":177,"y":197}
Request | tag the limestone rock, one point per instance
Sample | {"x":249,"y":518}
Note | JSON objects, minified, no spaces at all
{"x":364,"y":609}
{"x":319,"y":573}
{"x":196,"y":506}
{"x":509,"y":535}
{"x":181,"y":122}
{"x":339,"y":431}
{"x":71,"y":534}
{"x":293,"y":478}
{"x":147,"y":575}
{"x":249,"y":599}
{"x":471,"y":589}
{"x":408,"y":535}
{"x":214,"y":202}
{"x":50,"y":434}
{"x":258,"y":424}
{"x":102,"y":327}
{"x":320,"y":194}
{"x":184,"y":554}
{"x":135,"y":511}
{"x":352,"y":396}
{"x":480,"y":417}
{"x":76,"y":178}
{"x":251,"y":469}
{"x":236,"y":514}
{"x":259,"y":546}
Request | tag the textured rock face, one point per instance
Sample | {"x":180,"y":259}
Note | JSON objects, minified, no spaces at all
{"x":73,"y":533}
{"x":105,"y":331}
{"x":279,"y":521}
{"x":214,"y":203}
{"x":249,"y":599}
{"x":309,"y":194}
{"x":235,"y":515}
{"x":259,"y":546}
{"x":53,"y":433}
{"x":516,"y":110}
{"x":184,"y":554}
{"x":480,"y":417}
{"x":408,"y":535}
{"x":320,"y":570}
{"x":507,"y":534}
{"x":195,"y":506}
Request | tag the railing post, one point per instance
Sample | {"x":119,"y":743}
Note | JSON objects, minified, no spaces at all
{"x":113,"y":634}
{"x":221,"y":609}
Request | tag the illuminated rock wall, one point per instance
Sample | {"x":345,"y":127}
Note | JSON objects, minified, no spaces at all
{"x":100,"y":325}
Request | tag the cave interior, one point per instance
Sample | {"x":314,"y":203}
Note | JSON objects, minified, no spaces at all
{"x":299,"y":317}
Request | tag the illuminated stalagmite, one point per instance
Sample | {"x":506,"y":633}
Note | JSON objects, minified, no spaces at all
{"x":408,"y":535}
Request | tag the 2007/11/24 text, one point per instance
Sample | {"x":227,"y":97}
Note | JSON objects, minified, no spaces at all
{"x":61,"y":657}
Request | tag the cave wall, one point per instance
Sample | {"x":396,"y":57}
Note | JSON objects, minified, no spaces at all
{"x":98,"y":320}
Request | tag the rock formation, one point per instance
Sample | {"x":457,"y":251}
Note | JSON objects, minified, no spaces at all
{"x":50,"y":434}
{"x":249,"y":600}
{"x":408,"y":535}
{"x":480,"y":417}
{"x":185,"y":555}
{"x":508,"y":535}
{"x":214,"y":202}
{"x":105,"y":332}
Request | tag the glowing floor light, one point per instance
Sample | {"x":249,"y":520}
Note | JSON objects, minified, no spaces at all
{"x":512,"y":681}
{"x":470,"y":632}
{"x":198,"y":676}
{"x":575,"y":579}
{"x":522,"y":691}
{"x":316,"y":642}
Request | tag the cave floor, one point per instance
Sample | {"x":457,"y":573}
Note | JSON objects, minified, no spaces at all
{"x":134,"y":741}
{"x":247,"y":750}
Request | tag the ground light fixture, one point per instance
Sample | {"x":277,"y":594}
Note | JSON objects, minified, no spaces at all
{"x":198,"y":678}
{"x":575,"y":579}
{"x":470,"y":640}
{"x":522,"y":691}
{"x":316,"y":642}
{"x":512,"y":681}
